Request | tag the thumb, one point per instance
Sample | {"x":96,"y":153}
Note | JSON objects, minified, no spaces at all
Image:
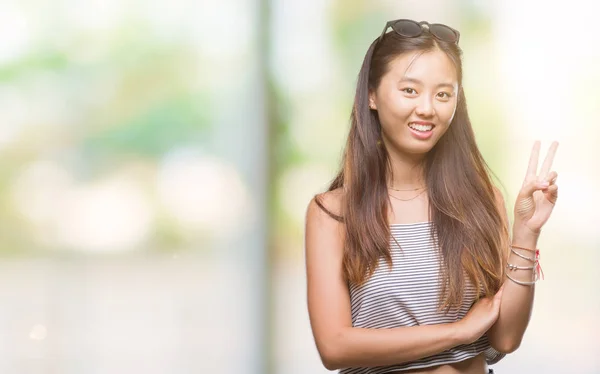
{"x":498,"y":296}
{"x":530,"y":187}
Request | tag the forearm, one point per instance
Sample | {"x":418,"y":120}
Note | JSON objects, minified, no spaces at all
{"x":361,"y":347}
{"x":517,"y":300}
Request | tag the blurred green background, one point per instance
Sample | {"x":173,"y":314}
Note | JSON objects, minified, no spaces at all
{"x":157,"y":158}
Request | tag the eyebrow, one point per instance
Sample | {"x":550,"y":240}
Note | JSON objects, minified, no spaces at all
{"x":416,"y":81}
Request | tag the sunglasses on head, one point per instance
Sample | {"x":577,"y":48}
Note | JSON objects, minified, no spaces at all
{"x":411,"y":29}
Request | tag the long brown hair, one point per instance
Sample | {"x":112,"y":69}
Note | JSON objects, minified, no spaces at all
{"x":470,"y":230}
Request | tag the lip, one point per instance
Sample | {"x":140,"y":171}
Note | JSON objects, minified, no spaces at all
{"x":422,"y":135}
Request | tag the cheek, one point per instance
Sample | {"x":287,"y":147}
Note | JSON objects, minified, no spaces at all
{"x":397,"y":106}
{"x":446,"y":112}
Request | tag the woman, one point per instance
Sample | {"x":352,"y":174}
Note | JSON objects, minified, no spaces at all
{"x":410,"y":263}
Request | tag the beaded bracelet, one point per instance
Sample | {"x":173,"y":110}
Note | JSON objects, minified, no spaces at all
{"x":539,"y":273}
{"x":515,"y":267}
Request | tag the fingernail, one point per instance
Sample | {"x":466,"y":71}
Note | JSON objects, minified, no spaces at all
{"x":544,"y":184}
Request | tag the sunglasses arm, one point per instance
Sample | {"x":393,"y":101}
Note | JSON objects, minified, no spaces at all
{"x":388,"y":24}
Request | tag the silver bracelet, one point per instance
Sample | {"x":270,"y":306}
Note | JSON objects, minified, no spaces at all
{"x":521,"y":282}
{"x":522,"y":256}
{"x":515,"y":267}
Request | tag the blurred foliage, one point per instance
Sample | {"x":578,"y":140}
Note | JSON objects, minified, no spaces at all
{"x":126,"y":96}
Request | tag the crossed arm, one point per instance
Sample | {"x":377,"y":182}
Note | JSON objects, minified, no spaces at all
{"x":339,"y":344}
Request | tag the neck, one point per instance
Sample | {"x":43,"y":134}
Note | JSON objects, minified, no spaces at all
{"x":407,"y":171}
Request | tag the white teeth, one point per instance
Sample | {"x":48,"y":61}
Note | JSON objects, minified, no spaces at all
{"x":423,"y":128}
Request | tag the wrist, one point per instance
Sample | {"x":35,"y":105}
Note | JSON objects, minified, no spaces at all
{"x":524,"y":236}
{"x":459,"y":333}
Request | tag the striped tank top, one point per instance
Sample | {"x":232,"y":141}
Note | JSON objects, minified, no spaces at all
{"x":408,"y":294}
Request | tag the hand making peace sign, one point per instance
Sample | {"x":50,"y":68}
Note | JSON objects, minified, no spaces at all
{"x":539,"y":192}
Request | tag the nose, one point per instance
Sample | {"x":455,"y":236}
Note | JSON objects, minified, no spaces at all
{"x":425,"y":107}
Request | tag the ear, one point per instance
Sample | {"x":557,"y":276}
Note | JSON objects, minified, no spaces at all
{"x":372,"y":104}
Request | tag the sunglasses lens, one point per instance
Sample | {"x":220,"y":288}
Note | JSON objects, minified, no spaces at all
{"x":407,"y":28}
{"x":444,"y":33}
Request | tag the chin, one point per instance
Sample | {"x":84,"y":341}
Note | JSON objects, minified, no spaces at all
{"x":421,"y":148}
{"x":413,"y":147}
{"x":412,"y":151}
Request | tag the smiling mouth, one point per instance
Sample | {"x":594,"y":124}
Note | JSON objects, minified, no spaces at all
{"x":421,"y":127}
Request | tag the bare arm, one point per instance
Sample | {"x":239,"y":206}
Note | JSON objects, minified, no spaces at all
{"x":517,"y":300}
{"x":533,"y":208}
{"x":339,"y":344}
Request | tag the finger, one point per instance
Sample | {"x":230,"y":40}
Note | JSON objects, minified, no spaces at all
{"x":498,"y":296}
{"x":533,"y":159}
{"x":530,"y":187}
{"x":551,"y":178}
{"x":499,"y":293}
{"x":551,"y":193}
{"x":548,"y":160}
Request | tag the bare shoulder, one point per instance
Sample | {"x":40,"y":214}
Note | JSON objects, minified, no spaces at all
{"x":325,"y":206}
{"x":324,"y":232}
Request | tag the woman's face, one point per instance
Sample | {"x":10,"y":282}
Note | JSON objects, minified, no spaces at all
{"x":416,"y":100}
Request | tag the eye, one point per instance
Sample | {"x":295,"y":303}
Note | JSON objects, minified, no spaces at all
{"x":444,"y":95}
{"x":409,"y":91}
